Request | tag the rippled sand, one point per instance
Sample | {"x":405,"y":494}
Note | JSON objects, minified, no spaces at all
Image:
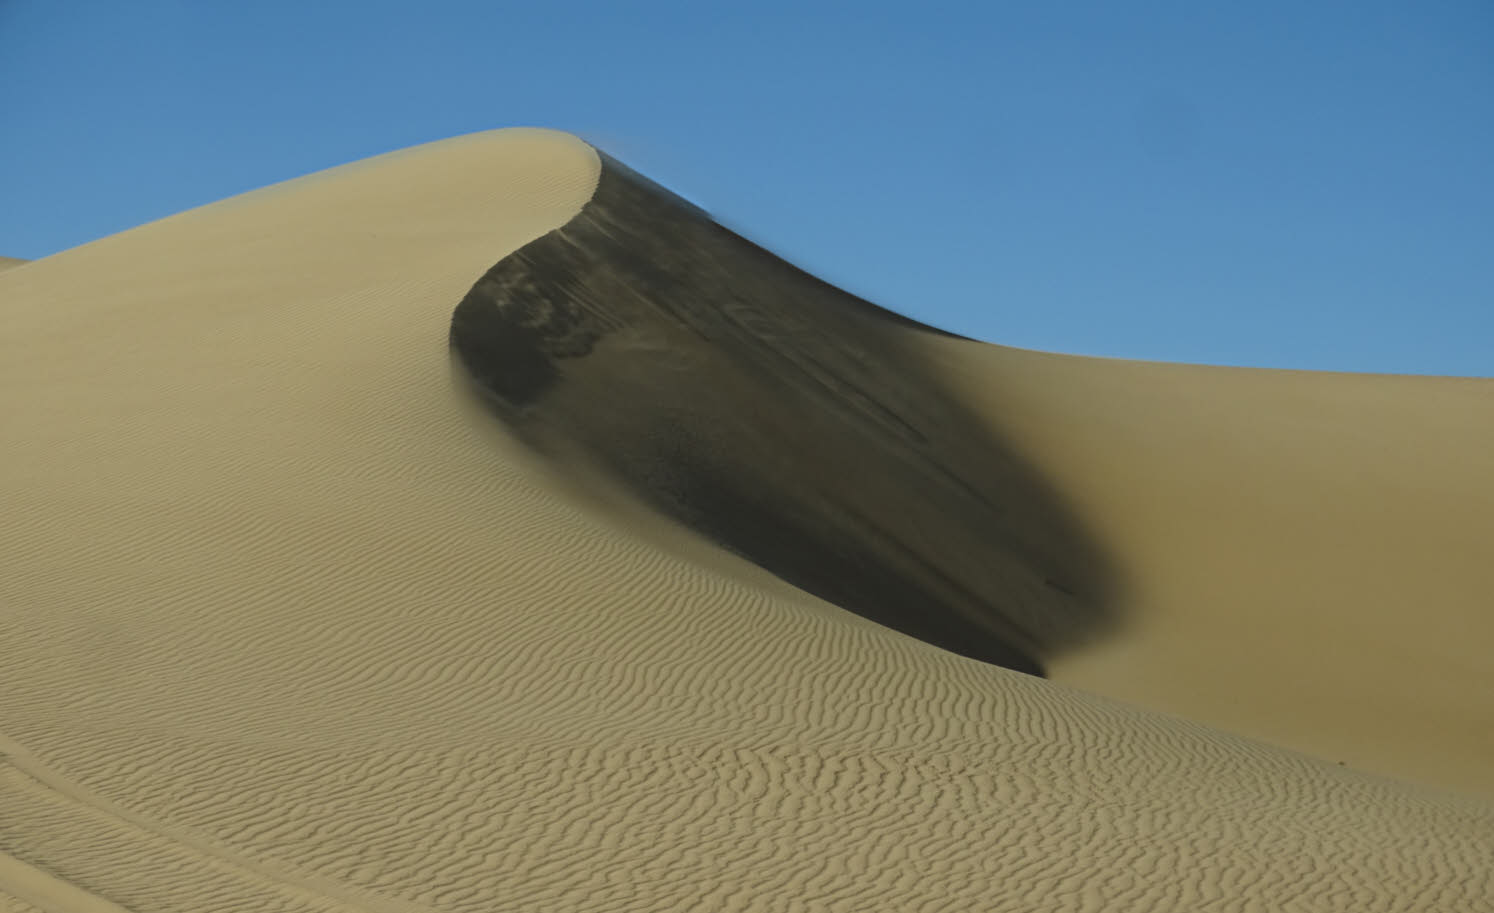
{"x":296,"y":619}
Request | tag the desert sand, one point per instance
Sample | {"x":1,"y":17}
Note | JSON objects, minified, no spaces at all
{"x":305,"y":611}
{"x":1307,"y":553}
{"x":8,"y":262}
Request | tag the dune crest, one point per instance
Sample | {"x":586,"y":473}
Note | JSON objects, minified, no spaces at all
{"x":929,"y":482}
{"x":782,"y":418}
{"x":290,"y":624}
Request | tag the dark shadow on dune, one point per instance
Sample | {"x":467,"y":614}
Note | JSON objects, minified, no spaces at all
{"x":787,"y":420}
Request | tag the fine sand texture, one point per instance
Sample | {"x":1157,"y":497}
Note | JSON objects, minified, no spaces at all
{"x":352,"y":562}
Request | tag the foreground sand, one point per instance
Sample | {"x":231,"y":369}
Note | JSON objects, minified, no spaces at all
{"x":293,"y":623}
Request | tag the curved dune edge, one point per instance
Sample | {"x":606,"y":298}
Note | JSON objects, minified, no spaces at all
{"x":782,"y":418}
{"x":1290,"y":536}
{"x":295,"y":624}
{"x":9,"y":262}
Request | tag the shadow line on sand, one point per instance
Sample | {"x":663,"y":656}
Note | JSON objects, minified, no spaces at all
{"x":788,"y":421}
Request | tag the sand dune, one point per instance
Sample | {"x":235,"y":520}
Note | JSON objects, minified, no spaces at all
{"x":294,"y":620}
{"x":1255,"y":549}
{"x":8,"y":262}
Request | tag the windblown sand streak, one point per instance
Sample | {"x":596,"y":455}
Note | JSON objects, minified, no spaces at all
{"x":291,"y":622}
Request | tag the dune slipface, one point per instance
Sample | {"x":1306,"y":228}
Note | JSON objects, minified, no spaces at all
{"x":292,"y":622}
{"x":784,"y":419}
{"x":930,"y":483}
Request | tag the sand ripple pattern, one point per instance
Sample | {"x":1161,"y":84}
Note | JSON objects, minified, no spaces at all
{"x":289,"y":625}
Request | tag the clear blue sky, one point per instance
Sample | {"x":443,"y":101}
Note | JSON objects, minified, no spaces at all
{"x":1301,"y":184}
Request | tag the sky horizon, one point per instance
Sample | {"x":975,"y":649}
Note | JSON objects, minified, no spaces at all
{"x":1288,"y":186}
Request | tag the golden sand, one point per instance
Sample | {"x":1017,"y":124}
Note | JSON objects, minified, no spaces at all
{"x":290,"y":623}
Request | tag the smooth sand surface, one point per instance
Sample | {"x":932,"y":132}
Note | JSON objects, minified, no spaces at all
{"x":8,"y":262}
{"x":1308,"y":554}
{"x":292,"y":621}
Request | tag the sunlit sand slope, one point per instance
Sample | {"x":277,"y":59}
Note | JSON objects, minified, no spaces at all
{"x":8,"y":262}
{"x":1308,"y":555}
{"x":292,"y":623}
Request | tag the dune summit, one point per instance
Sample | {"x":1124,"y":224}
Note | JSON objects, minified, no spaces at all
{"x":294,"y":621}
